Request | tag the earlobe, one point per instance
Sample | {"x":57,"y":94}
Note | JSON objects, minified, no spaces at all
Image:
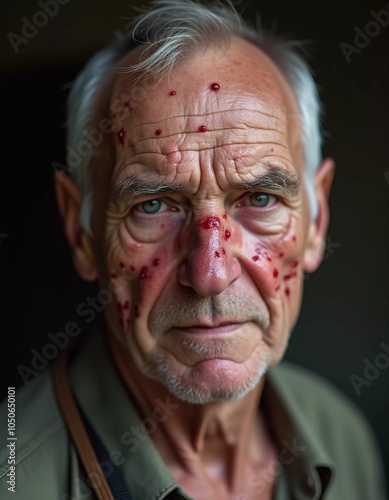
{"x":317,"y":231}
{"x":69,"y":199}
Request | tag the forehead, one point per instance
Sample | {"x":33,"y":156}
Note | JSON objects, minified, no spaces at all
{"x":208,"y":100}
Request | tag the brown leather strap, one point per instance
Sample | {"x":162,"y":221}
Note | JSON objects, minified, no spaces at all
{"x":77,"y":430}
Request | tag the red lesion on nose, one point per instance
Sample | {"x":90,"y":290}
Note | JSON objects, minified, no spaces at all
{"x":209,"y":222}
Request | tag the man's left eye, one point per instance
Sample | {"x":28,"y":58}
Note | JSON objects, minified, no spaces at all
{"x":151,"y":206}
{"x":262,"y":200}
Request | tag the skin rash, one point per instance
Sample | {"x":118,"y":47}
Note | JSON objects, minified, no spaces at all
{"x":208,"y":272}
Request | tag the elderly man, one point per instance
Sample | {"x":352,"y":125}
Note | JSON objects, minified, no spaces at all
{"x":199,"y":203}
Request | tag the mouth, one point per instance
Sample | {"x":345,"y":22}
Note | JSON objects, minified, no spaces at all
{"x":210,"y":329}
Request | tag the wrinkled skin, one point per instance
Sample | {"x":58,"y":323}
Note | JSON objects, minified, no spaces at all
{"x":208,"y":274}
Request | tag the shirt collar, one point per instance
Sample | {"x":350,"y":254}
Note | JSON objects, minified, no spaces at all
{"x":306,"y":460}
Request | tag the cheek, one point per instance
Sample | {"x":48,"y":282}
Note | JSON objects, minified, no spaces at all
{"x":275,"y":261}
{"x":138,"y":272}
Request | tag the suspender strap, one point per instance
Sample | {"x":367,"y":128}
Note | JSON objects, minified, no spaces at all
{"x":113,"y":476}
{"x":89,"y":446}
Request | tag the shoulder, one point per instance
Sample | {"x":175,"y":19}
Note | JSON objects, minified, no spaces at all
{"x":314,"y":397}
{"x":334,"y":425}
{"x":41,"y":448}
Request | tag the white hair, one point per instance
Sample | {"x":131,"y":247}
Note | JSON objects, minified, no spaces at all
{"x":170,"y":30}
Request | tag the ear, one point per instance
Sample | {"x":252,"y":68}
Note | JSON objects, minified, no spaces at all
{"x":317,"y":232}
{"x":69,"y":199}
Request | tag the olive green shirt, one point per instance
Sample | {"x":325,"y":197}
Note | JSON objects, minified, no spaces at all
{"x":326,"y":450}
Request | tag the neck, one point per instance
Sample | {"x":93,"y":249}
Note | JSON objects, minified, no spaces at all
{"x":220,"y":439}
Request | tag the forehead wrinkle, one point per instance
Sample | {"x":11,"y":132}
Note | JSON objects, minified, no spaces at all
{"x":212,"y":113}
{"x":209,"y":131}
{"x":250,"y":119}
{"x":201,"y":148}
{"x":268,"y":176}
{"x":188,"y":140}
{"x":156,"y":161}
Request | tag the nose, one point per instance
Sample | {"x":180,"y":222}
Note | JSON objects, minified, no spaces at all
{"x":209,"y":266}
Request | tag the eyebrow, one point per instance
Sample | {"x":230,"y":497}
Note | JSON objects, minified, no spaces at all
{"x":275,"y":180}
{"x":128,"y":189}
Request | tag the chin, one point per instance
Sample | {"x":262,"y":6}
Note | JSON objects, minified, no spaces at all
{"x":210,"y":381}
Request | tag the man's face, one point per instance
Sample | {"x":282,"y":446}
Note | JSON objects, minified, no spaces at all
{"x":206,"y":223}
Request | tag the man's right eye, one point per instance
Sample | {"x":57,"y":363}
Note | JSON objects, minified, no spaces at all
{"x":150,"y":206}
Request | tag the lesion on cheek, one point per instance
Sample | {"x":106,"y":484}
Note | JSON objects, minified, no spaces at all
{"x":121,"y":271}
{"x":261,"y":252}
{"x":292,"y":271}
{"x":124,"y":310}
{"x":279,"y":258}
{"x":131,"y":268}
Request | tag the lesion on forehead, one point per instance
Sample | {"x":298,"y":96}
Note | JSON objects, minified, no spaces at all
{"x":165,"y":141}
{"x":193,"y":76}
{"x":153,"y":135}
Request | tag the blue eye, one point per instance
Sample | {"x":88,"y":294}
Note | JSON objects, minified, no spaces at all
{"x":150,"y":206}
{"x":262,"y":200}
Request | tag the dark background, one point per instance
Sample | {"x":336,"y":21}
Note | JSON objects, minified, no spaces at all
{"x":344,"y":317}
